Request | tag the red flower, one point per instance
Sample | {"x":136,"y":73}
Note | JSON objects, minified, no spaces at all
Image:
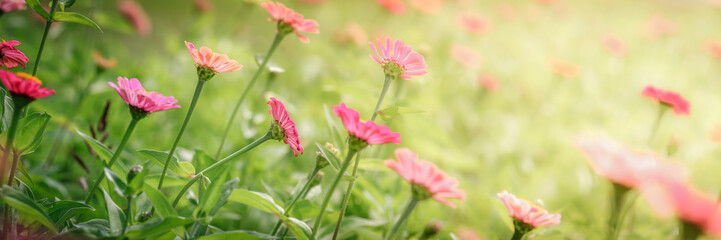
{"x":280,"y":13}
{"x":10,"y":56}
{"x":23,"y":84}
{"x":285,"y":127}
{"x":668,"y":98}
{"x":368,"y":131}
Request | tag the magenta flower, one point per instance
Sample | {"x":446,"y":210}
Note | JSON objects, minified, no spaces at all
{"x":24,"y":85}
{"x":427,"y":180}
{"x":369,"y":132}
{"x":218,"y":63}
{"x":398,"y":59}
{"x":10,"y":56}
{"x":141,"y":101}
{"x":668,"y":98}
{"x":284,"y":127}
{"x":670,"y":197}
{"x":11,"y":5}
{"x":527,"y":212}
{"x":289,"y":20}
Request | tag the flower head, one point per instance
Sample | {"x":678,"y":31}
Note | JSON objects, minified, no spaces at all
{"x":210,"y":63}
{"x":284,"y":127}
{"x":290,"y":21}
{"x":472,"y":22}
{"x":660,"y":26}
{"x":488,"y":82}
{"x":394,"y":6}
{"x":24,"y":85}
{"x":368,"y":132}
{"x":564,"y":69}
{"x":426,"y":179}
{"x":398,"y":59}
{"x":528,"y":213}
{"x":11,"y":5}
{"x":141,"y":101}
{"x":668,"y":98}
{"x":669,"y":197}
{"x":714,"y":48}
{"x":134,"y":13}
{"x":614,"y":45}
{"x":10,"y":56}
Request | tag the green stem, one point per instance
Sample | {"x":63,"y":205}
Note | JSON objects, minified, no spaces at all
{"x":128,"y":213}
{"x":688,"y":231}
{"x":386,"y":85}
{"x":196,"y":95}
{"x":661,"y":111}
{"x":273,"y":46}
{"x":123,"y":142}
{"x":330,"y":190}
{"x":618,"y":199}
{"x":298,"y":195}
{"x":45,"y":35}
{"x":402,"y":219}
{"x":217,"y":164}
{"x":17,"y":113}
{"x":517,"y":235}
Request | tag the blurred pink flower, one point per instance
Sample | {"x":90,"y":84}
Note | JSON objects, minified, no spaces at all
{"x":368,"y":131}
{"x":11,"y":5}
{"x":564,"y":69}
{"x":660,"y":27}
{"x":427,"y":6}
{"x":312,"y":1}
{"x":25,"y":85}
{"x":713,"y":47}
{"x":421,"y":173}
{"x":134,"y":13}
{"x":394,"y":6}
{"x":205,"y":57}
{"x":488,"y":82}
{"x":667,"y":98}
{"x":280,"y":13}
{"x":286,"y":127}
{"x":669,"y":197}
{"x":465,"y":55}
{"x":472,"y":22}
{"x":398,"y":59}
{"x":466,"y":233}
{"x":103,"y":62}
{"x":10,"y":56}
{"x":614,"y":45}
{"x":528,"y":212}
{"x":202,"y":5}
{"x":139,"y":99}
{"x":351,"y":33}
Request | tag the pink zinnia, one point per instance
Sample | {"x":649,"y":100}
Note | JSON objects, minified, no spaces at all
{"x":10,"y":56}
{"x":398,"y":59}
{"x":527,"y":212}
{"x":488,"y":82}
{"x":281,"y":14}
{"x":465,"y":55}
{"x":714,"y":48}
{"x":668,"y":98}
{"x":23,"y":84}
{"x":368,"y":131}
{"x":472,"y":22}
{"x":394,"y":6}
{"x":669,"y":197}
{"x":614,"y":45}
{"x":205,"y":57}
{"x":425,"y":174}
{"x":137,"y":97}
{"x":133,"y":12}
{"x":285,"y":126}
{"x":660,"y":27}
{"x":11,"y":5}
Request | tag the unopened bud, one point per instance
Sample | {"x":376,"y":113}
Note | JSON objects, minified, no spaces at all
{"x":320,"y":160}
{"x":331,"y":148}
{"x":145,"y":216}
{"x":134,"y":171}
{"x":432,"y":229}
{"x":317,"y":179}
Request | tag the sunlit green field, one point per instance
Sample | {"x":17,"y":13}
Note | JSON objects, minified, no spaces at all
{"x":519,"y":137}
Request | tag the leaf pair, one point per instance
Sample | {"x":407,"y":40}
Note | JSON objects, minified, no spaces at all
{"x":62,"y":16}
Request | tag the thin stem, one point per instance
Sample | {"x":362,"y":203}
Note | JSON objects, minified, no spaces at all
{"x":45,"y":35}
{"x":328,"y":194}
{"x":217,"y":164}
{"x":298,"y":195}
{"x":196,"y":95}
{"x":688,"y":231}
{"x":517,"y":235}
{"x":402,"y":219}
{"x":278,"y":37}
{"x":386,"y":85}
{"x":661,"y":111}
{"x":17,"y":113}
{"x":618,"y":199}
{"x":123,"y":142}
{"x":128,"y":213}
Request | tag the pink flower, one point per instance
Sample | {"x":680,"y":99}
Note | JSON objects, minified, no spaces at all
{"x":488,"y":82}
{"x":133,"y":12}
{"x":614,"y":45}
{"x":368,"y":131}
{"x":465,"y":55}
{"x":564,"y":69}
{"x":668,"y":98}
{"x":528,"y":212}
{"x":351,"y":33}
{"x":205,"y":57}
{"x":669,"y":197}
{"x":280,"y":13}
{"x":10,"y":56}
{"x":714,"y":48}
{"x":285,"y":126}
{"x":11,"y":5}
{"x":398,"y":59}
{"x":660,"y":27}
{"x":472,"y":22}
{"x":202,"y":5}
{"x":137,"y":97}
{"x":427,"y":6}
{"x":425,"y":174}
{"x":394,"y":6}
{"x":23,"y":84}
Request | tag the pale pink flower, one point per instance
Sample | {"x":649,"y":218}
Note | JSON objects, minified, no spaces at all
{"x":488,"y":82}
{"x":11,"y":5}
{"x":660,"y":27}
{"x":368,"y":131}
{"x":134,"y":13}
{"x":614,"y":45}
{"x":394,"y":6}
{"x":427,"y":6}
{"x":25,"y":85}
{"x":466,"y":55}
{"x":282,"y":120}
{"x":205,"y":57}
{"x":564,"y":69}
{"x":713,"y":47}
{"x":10,"y":56}
{"x":398,"y":59}
{"x":138,"y":98}
{"x":280,"y":13}
{"x":425,"y":174}
{"x":528,"y":212}
{"x":351,"y":33}
{"x":472,"y":22}
{"x":670,"y":197}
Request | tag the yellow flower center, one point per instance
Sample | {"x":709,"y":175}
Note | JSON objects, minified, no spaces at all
{"x":29,"y":77}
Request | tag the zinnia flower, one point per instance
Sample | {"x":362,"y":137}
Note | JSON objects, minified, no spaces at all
{"x":210,"y":63}
{"x":524,"y":211}
{"x":284,"y":127}
{"x":11,"y":5}
{"x":394,"y":6}
{"x":10,"y":56}
{"x":289,"y":20}
{"x":668,"y":98}
{"x":614,"y":45}
{"x":368,"y":132}
{"x":426,"y":179}
{"x":660,"y":27}
{"x":488,"y":82}
{"x":472,"y":22}
{"x":141,"y":101}
{"x":398,"y":59}
{"x":133,"y":12}
{"x":714,"y":48}
{"x":564,"y":69}
{"x":24,"y":85}
{"x":465,"y":55}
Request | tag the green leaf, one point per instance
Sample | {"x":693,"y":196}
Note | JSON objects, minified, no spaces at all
{"x":304,"y":209}
{"x":61,"y":211}
{"x":115,"y":215}
{"x":265,"y":202}
{"x":210,"y":196}
{"x":156,"y":227}
{"x":67,"y":3}
{"x":76,"y":18}
{"x":392,"y":112}
{"x":297,"y":227}
{"x":31,"y":132}
{"x":160,"y":202}
{"x":95,"y":228}
{"x":35,"y":5}
{"x":183,"y":169}
{"x":7,"y":114}
{"x":27,"y":207}
{"x":332,"y":158}
{"x":25,"y":173}
{"x":237,"y":234}
{"x":118,"y":182}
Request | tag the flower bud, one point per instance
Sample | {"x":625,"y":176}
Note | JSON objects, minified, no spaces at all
{"x":145,"y":216}
{"x":317,"y":179}
{"x":432,"y":229}
{"x":134,"y":171}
